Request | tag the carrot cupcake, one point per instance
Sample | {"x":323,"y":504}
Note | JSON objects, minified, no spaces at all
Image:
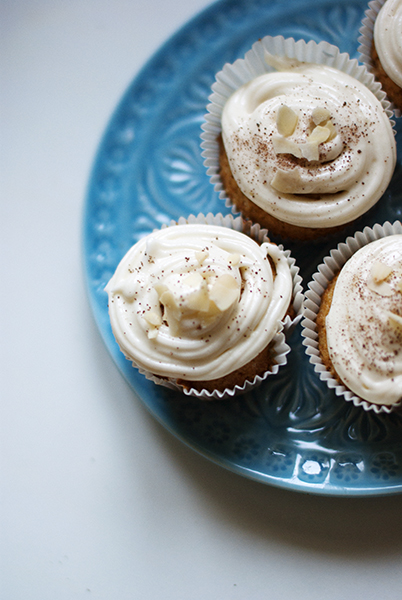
{"x":200,"y":305}
{"x":298,"y":138}
{"x":353,"y":324}
{"x":381,"y":47}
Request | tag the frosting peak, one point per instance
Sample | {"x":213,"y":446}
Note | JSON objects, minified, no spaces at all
{"x":199,"y":296}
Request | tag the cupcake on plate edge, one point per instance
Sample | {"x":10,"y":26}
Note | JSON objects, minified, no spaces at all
{"x":353,"y":318}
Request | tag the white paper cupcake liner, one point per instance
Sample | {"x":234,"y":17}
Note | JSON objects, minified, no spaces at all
{"x":325,"y":273}
{"x":280,"y":348}
{"x":365,"y":40}
{"x":243,"y":70}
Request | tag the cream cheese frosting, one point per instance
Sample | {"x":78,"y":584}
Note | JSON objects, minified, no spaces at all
{"x":309,"y":144}
{"x":364,"y":323}
{"x":388,"y":39}
{"x":198,"y":301}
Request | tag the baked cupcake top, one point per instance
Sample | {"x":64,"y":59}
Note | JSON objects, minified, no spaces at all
{"x":309,"y":144}
{"x":198,"y":301}
{"x":388,"y":39}
{"x":364,"y":323}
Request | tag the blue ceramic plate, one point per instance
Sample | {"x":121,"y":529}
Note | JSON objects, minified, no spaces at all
{"x":292,"y":432}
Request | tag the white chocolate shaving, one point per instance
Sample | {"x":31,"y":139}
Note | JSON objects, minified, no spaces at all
{"x":320,"y":114}
{"x":286,"y":120}
{"x":310,"y":150}
{"x":283,"y":145}
{"x":153,"y":318}
{"x":199,"y":300}
{"x":395,"y":320}
{"x":382,"y":288}
{"x":195,"y":279}
{"x":234,"y":259}
{"x":332,"y":130}
{"x":201,"y":255}
{"x":319,"y":135}
{"x":380,"y":271}
{"x":225,"y":291}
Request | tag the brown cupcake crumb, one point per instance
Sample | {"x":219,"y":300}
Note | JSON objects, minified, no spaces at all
{"x":258,"y":366}
{"x":250,"y":210}
{"x":393,"y":91}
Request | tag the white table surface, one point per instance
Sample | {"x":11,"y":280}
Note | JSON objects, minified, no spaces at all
{"x":98,"y":500}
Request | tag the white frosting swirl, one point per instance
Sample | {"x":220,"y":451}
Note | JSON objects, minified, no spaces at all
{"x":198,"y":301}
{"x":364,"y":324}
{"x":351,"y":169}
{"x":388,"y":39}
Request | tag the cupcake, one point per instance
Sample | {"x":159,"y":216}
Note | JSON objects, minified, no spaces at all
{"x":353,"y":318}
{"x":202,"y":305}
{"x":381,"y":47}
{"x":298,"y":138}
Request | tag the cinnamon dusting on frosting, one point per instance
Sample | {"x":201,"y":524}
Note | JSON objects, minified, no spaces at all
{"x":363,"y":326}
{"x":196,"y":302}
{"x":300,"y":145}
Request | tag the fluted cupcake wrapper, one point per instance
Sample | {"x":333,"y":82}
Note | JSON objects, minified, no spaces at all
{"x":365,"y":40}
{"x":280,"y":348}
{"x":243,"y":70}
{"x":326,"y":271}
